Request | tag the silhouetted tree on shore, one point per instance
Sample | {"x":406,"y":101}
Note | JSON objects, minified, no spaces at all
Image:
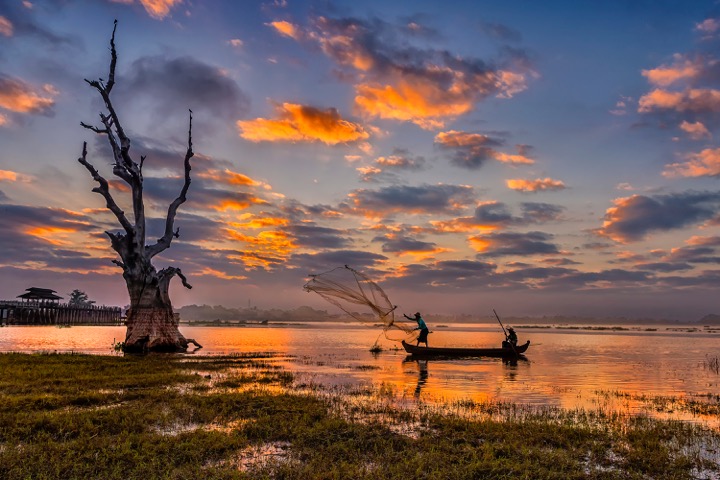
{"x":79,"y":298}
{"x":151,"y":324}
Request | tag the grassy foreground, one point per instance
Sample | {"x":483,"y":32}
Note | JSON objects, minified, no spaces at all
{"x":107,"y":417}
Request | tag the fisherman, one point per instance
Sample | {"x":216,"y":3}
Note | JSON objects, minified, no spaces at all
{"x":512,"y":338}
{"x":422,"y":327}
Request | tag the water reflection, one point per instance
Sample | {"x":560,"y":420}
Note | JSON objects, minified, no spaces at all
{"x":422,"y":371}
{"x":638,"y":363}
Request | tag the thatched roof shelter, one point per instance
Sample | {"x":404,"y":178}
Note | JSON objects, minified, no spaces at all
{"x":40,"y":294}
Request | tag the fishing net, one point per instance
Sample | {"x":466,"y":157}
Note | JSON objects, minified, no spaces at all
{"x":361,"y":298}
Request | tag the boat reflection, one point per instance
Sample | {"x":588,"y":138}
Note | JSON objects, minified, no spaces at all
{"x":510,"y":367}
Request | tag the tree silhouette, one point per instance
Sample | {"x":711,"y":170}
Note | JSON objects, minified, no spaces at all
{"x":79,"y":298}
{"x":151,"y":324}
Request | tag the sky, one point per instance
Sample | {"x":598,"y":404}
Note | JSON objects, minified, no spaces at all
{"x":537,"y":158}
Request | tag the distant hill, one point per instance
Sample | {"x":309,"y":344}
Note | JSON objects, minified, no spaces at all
{"x":711,"y":319}
{"x":209,"y":313}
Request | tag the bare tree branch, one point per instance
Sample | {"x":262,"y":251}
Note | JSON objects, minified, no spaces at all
{"x":164,"y":242}
{"x":94,"y":129}
{"x":124,"y":167}
{"x":164,"y":276}
{"x":103,"y":190}
{"x":113,"y":60}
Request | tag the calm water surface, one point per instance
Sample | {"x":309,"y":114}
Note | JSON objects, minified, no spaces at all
{"x":565,"y":368}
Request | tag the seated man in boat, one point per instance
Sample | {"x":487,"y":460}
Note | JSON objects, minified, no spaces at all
{"x":512,"y":339}
{"x":422,"y":327}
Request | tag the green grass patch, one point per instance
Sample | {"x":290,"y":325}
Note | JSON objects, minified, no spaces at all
{"x":167,"y":416}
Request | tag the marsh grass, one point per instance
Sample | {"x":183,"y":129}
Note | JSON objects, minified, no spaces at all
{"x":81,"y":416}
{"x":712,"y":363}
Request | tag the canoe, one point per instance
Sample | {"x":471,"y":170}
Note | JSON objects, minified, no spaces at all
{"x":465,"y":351}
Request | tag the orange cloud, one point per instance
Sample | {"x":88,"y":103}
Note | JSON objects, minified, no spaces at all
{"x":265,"y":249}
{"x":286,"y":28}
{"x":537,"y":185}
{"x":422,"y":100}
{"x":119,"y":185}
{"x":424,"y":86}
{"x":479,"y":244}
{"x":3,"y":120}
{"x":667,"y":75}
{"x":510,"y":83}
{"x":229,"y":177}
{"x":455,"y":138}
{"x":703,"y":164}
{"x":691,"y":100}
{"x":696,"y":131}
{"x":17,"y":96}
{"x":475,"y":148}
{"x":252,"y":221}
{"x":6,"y":27}
{"x":369,"y":171}
{"x":699,"y":240}
{"x":299,"y":123}
{"x":10,"y":176}
{"x":274,"y":240}
{"x":157,"y":9}
{"x":417,"y":100}
{"x":513,"y":159}
{"x":218,"y":274}
{"x":230,"y":204}
{"x":52,"y":235}
{"x":420,"y":255}
{"x":343,"y":48}
{"x":462,"y":225}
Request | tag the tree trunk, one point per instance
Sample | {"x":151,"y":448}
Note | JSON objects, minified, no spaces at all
{"x":151,"y":322}
{"x":153,"y":329}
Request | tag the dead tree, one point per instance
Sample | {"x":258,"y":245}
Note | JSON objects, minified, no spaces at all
{"x":151,"y":323}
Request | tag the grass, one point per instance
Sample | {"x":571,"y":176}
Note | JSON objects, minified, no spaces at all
{"x":712,"y":363}
{"x":81,"y":416}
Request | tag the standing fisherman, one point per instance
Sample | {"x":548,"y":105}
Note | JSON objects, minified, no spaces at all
{"x":421,"y":326}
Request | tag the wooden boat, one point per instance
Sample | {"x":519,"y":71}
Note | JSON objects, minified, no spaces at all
{"x":465,"y":351}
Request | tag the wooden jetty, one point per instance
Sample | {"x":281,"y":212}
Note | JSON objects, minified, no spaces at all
{"x":40,"y":306}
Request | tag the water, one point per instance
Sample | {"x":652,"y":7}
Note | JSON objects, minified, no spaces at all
{"x":567,"y":368}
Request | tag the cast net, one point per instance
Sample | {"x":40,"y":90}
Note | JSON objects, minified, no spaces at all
{"x":361,"y":298}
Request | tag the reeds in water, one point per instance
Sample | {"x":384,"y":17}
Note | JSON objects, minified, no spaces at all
{"x":712,"y":363}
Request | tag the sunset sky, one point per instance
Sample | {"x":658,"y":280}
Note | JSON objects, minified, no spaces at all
{"x":538,"y":158}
